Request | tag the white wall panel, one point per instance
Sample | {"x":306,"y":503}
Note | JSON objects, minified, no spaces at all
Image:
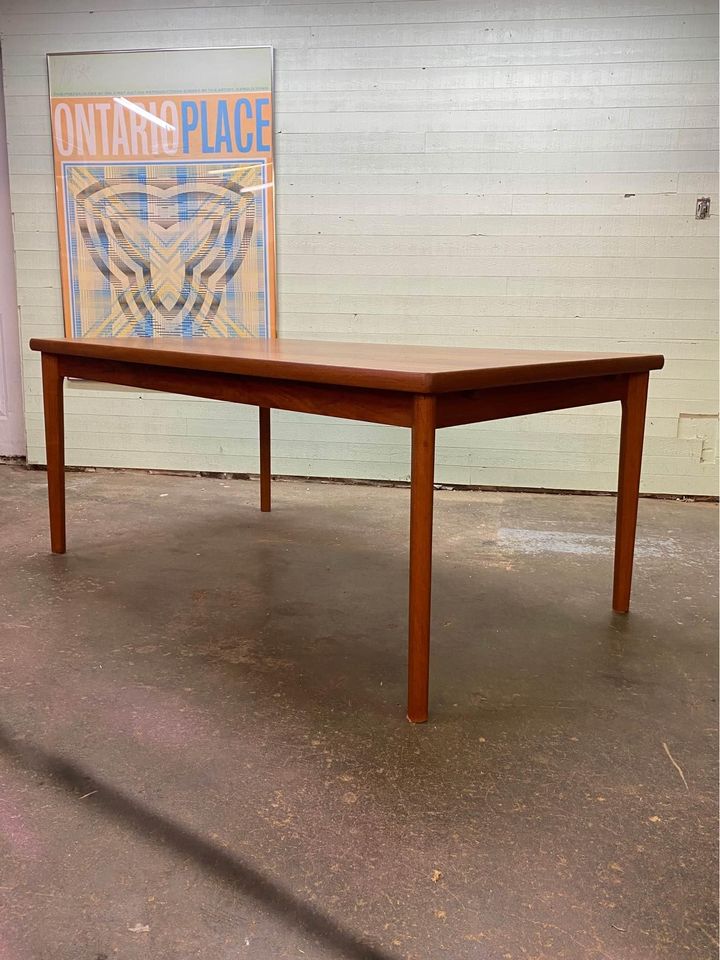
{"x":515,"y":174}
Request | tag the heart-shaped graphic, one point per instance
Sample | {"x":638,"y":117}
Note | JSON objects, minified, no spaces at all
{"x":167,"y":249}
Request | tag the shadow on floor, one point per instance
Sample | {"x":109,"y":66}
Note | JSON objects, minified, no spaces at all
{"x":245,"y":879}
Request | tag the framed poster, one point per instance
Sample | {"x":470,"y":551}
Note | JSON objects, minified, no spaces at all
{"x":164,"y":186}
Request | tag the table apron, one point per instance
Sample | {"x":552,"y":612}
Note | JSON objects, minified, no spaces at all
{"x":352,"y":403}
{"x":496,"y":403}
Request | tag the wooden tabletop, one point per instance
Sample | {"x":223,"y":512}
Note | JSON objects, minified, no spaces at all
{"x":414,"y":369}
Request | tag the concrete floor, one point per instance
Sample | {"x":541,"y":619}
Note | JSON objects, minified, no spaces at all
{"x":204,"y":753}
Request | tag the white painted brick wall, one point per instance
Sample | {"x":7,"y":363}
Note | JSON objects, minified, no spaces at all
{"x":473,"y":193}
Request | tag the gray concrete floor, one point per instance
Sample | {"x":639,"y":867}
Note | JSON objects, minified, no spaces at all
{"x":204,"y":753}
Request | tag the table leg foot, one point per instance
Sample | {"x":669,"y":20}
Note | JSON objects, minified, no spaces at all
{"x":631,"y":443}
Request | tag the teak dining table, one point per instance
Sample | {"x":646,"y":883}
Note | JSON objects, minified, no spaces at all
{"x":423,"y":388}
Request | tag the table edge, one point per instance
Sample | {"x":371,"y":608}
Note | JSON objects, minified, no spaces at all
{"x":406,"y":382}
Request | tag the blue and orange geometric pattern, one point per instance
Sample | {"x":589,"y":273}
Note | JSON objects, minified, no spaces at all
{"x":166,"y":249}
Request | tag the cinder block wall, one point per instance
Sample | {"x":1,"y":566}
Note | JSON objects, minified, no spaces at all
{"x":505,"y":174}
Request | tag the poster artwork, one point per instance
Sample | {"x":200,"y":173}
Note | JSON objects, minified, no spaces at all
{"x":164,"y":186}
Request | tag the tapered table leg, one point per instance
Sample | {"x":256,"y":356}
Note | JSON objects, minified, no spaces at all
{"x":55,"y":449}
{"x":631,"y":443}
{"x":421,"y":519}
{"x":264,"y":417}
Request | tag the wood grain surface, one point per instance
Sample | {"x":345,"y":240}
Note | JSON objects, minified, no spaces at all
{"x":415,"y":369}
